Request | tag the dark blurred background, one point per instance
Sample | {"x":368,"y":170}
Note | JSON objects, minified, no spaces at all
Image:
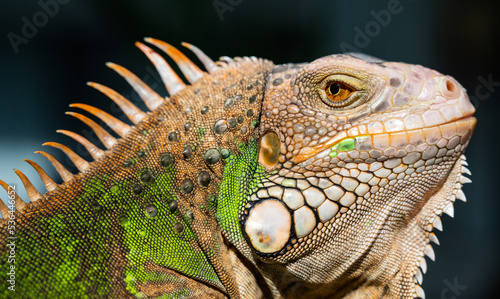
{"x":45,"y":68}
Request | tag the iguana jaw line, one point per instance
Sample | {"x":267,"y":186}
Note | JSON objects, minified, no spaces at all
{"x":424,"y":222}
{"x":308,"y":153}
{"x":410,"y":254}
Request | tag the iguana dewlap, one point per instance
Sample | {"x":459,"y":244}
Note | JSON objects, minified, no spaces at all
{"x":314,"y":180}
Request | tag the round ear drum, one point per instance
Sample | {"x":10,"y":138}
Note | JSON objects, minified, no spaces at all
{"x":269,"y":150}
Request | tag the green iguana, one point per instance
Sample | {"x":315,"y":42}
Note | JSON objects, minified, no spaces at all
{"x":314,"y":180}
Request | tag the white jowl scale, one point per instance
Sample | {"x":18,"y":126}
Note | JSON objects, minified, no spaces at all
{"x":268,"y":226}
{"x":304,"y":221}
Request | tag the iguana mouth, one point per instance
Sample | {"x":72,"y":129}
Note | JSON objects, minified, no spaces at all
{"x":466,"y":123}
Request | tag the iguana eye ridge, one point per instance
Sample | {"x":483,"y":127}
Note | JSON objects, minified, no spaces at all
{"x":338,"y":94}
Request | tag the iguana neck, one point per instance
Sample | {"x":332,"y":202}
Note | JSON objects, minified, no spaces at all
{"x":383,"y":269}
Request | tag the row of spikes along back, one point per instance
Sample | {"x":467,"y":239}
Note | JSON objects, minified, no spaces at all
{"x":173,"y":84}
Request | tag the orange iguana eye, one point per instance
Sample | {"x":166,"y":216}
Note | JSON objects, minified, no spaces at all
{"x":337,"y":92}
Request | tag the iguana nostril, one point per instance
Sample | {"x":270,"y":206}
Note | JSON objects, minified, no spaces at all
{"x":269,"y":150}
{"x":449,"y":88}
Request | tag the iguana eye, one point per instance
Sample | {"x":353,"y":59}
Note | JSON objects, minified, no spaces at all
{"x":337,"y":93}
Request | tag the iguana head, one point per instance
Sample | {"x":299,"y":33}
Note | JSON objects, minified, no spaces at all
{"x":363,"y":157}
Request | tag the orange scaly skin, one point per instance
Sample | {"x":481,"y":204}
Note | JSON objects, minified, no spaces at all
{"x":312,"y":180}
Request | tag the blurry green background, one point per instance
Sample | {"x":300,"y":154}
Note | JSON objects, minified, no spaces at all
{"x":458,"y":38}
